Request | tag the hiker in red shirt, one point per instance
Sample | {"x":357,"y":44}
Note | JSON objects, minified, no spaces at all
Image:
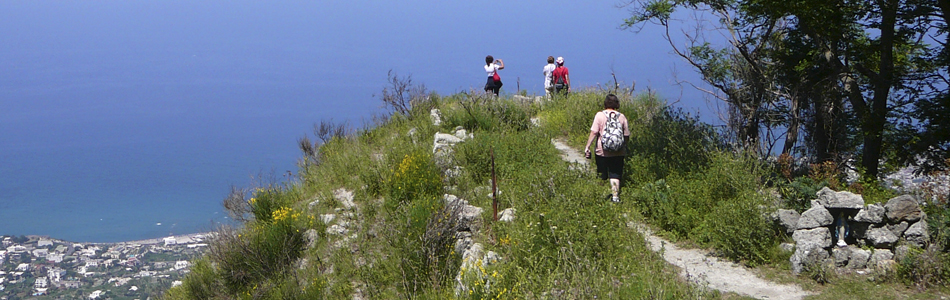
{"x":562,"y":81}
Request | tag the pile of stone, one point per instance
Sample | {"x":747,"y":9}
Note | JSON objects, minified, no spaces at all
{"x":840,"y":229}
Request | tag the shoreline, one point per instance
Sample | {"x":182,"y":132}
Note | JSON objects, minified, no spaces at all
{"x":180,"y":238}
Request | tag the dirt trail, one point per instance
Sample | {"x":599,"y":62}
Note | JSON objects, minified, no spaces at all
{"x":697,"y":267}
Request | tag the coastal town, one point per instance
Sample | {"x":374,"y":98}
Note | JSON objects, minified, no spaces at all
{"x":35,"y":267}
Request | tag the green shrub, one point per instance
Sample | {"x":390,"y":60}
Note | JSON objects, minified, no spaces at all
{"x":926,"y":268}
{"x":739,"y":230}
{"x":200,"y":283}
{"x":798,"y":193}
{"x":673,"y":142}
{"x":479,"y":112}
{"x":415,"y":176}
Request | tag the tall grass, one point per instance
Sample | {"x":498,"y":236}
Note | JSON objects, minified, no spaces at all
{"x":566,"y":242}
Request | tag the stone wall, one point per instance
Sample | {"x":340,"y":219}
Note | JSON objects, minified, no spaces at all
{"x":842,"y":230}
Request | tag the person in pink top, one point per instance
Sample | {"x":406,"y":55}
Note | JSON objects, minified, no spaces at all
{"x":609,"y":164}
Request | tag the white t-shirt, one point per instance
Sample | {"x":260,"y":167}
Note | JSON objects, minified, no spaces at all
{"x":490,"y":69}
{"x":548,"y":72}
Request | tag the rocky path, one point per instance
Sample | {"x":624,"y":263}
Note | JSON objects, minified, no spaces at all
{"x":699,"y":268}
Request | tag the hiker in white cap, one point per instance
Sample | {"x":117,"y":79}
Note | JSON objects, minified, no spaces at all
{"x":562,"y":81}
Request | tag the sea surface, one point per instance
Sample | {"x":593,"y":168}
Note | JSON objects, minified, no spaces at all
{"x":126,"y":120}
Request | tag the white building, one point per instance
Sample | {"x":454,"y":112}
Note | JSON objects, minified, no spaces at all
{"x":41,"y":282}
{"x":40,"y":252}
{"x":44,"y":243}
{"x":181,"y":264}
{"x":55,"y":257}
{"x":56,"y":274}
{"x":95,"y":294}
{"x":23,"y":268}
{"x":170,"y":241}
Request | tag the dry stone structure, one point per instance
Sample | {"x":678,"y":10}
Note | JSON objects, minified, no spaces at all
{"x":839,"y":229}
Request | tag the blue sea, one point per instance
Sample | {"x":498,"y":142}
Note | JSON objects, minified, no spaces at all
{"x":126,"y":120}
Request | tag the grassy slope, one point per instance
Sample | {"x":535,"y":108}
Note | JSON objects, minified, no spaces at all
{"x":566,"y":242}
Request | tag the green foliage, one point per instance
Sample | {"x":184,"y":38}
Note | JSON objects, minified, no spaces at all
{"x":740,"y":230}
{"x":514,"y":153}
{"x":414,"y":177}
{"x":872,"y":190}
{"x":798,"y":193}
{"x":938,"y":220}
{"x":930,"y":267}
{"x":478,"y":112}
{"x":672,"y":142}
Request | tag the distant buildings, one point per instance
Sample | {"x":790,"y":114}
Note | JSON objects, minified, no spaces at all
{"x":50,"y":267}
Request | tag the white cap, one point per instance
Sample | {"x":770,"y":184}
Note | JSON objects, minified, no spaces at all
{"x":560,"y":60}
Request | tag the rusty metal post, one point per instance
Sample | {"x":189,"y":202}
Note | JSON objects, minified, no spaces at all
{"x":494,"y":186}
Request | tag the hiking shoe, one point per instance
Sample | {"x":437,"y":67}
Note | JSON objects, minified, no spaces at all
{"x":615,"y":199}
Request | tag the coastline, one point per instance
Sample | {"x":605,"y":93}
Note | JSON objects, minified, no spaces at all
{"x":179,"y":238}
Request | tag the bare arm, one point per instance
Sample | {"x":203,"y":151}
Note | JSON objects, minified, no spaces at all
{"x":501,"y":64}
{"x":590,"y":139}
{"x":567,"y":80}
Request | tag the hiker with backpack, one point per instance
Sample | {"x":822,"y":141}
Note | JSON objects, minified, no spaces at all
{"x":494,"y":81}
{"x":611,"y":130}
{"x":562,"y":81}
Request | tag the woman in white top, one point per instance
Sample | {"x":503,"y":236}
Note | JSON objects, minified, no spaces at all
{"x":548,"y":71}
{"x":491,"y":67}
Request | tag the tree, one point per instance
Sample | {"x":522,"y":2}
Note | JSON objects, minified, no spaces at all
{"x":824,"y":61}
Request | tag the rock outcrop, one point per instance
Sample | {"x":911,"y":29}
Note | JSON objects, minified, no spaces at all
{"x":837,"y":226}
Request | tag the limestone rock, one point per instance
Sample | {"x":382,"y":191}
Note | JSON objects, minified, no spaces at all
{"x":436,"y":116}
{"x":337,"y":230}
{"x":508,"y":215}
{"x":803,"y":257}
{"x":880,"y":237}
{"x":345,"y":197}
{"x":327,"y":218}
{"x":841,"y":255}
{"x":470,"y":213}
{"x":840,"y":200}
{"x":787,"y":247}
{"x":900,"y":252}
{"x":814,"y":217}
{"x":917,"y":234}
{"x":898,"y":229}
{"x":859,"y":258}
{"x":873,"y":213}
{"x":462,"y":134}
{"x":312,"y":237}
{"x":536,"y":122}
{"x":902,"y":208}
{"x":787,"y":219}
{"x":808,"y":239}
{"x":880,"y":255}
{"x":313,"y":204}
{"x":463,"y":240}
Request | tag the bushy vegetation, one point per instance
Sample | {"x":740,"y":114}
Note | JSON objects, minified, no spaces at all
{"x":567,"y":242}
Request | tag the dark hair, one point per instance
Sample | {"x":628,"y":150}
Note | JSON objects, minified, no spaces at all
{"x":611,"y":101}
{"x":489,"y":59}
{"x":550,"y":59}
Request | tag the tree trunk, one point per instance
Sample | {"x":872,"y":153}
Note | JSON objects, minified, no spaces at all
{"x":794,"y":119}
{"x":873,"y":123}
